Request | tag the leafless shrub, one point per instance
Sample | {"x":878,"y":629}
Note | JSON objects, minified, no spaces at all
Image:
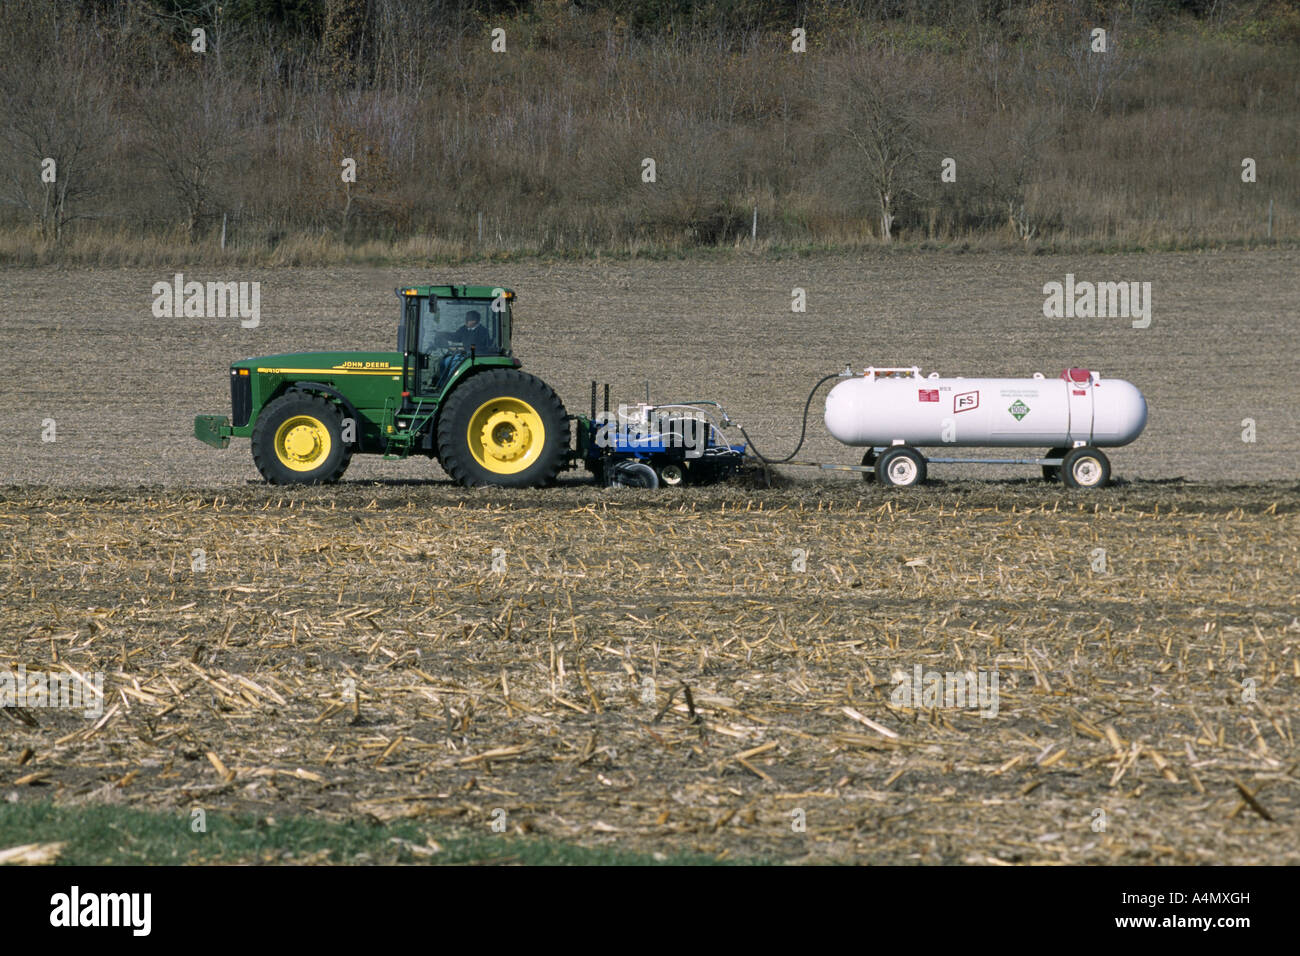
{"x":1090,"y":76}
{"x":55,"y":129}
{"x":191,"y":142}
{"x":880,"y":111}
{"x":1021,"y":142}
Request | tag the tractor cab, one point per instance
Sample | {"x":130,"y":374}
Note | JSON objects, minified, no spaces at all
{"x":443,"y":327}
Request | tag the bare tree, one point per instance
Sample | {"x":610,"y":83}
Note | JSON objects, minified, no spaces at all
{"x":186,"y":17}
{"x":1019,"y":145}
{"x":880,"y":115}
{"x":192,"y":139}
{"x":343,"y":41}
{"x":1089,"y":74}
{"x":54,"y":128}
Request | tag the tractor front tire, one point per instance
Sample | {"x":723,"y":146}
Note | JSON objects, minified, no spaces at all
{"x":505,"y":428}
{"x":298,"y":440}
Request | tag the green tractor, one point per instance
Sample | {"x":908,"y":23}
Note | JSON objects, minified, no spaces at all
{"x":451,"y":391}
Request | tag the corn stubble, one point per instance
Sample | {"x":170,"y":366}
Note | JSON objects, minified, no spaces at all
{"x":650,"y":672}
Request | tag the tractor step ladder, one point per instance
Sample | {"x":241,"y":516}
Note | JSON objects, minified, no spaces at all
{"x":400,"y":441}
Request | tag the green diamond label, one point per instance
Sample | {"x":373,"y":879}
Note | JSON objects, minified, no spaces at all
{"x":1018,"y":409}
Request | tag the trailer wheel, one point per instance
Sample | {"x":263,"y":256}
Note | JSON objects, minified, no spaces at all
{"x":1085,"y":468}
{"x":868,"y":461}
{"x":1053,"y":472}
{"x":298,"y":440}
{"x":672,"y":474}
{"x":900,"y":467}
{"x":633,"y":474}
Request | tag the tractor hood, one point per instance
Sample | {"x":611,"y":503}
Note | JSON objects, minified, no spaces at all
{"x":300,"y":364}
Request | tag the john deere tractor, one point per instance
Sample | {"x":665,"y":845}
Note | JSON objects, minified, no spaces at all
{"x":451,"y":391}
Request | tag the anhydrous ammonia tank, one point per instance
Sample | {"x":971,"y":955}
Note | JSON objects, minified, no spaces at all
{"x":885,"y":406}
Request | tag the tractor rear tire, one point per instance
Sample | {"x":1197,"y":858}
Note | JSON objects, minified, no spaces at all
{"x":504,"y":428}
{"x":298,"y":440}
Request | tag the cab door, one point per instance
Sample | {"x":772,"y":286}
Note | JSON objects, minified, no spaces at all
{"x":408,"y":334}
{"x":428,"y":350}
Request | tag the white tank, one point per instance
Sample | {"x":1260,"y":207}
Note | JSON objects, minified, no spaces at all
{"x":884,"y":406}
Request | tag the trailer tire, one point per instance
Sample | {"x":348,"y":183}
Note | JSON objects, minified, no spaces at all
{"x":504,"y":428}
{"x":1053,"y":472}
{"x":868,"y":461}
{"x":298,"y":440}
{"x":900,"y":467}
{"x":1085,"y":468}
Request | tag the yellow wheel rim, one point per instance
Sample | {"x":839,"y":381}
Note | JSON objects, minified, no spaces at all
{"x":505,"y":435}
{"x":302,"y":443}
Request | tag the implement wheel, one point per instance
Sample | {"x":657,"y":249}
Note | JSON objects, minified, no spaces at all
{"x":504,"y":428}
{"x":633,"y":474}
{"x":672,"y":474}
{"x":298,"y":440}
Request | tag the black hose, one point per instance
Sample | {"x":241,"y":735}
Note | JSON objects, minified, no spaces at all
{"x":803,"y":431}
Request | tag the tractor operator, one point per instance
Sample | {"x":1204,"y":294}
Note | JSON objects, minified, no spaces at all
{"x":472,"y":335}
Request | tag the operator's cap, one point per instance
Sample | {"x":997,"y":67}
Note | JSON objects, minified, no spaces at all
{"x":472,"y":315}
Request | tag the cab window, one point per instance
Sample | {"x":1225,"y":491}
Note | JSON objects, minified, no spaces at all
{"x":458,"y":325}
{"x":449,"y":328}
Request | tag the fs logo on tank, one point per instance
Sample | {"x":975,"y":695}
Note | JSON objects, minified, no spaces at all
{"x":965,"y":401}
